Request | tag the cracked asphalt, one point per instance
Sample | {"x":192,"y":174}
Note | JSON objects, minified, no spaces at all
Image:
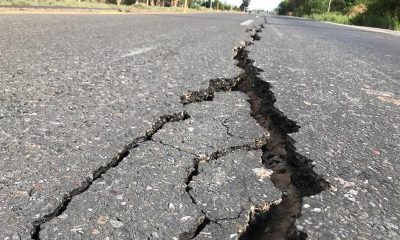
{"x":76,"y":90}
{"x":164,"y":127}
{"x":342,"y":87}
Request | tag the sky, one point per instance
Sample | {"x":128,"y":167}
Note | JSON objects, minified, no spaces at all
{"x":257,"y":4}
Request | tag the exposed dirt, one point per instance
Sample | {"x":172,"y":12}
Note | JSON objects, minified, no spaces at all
{"x":293,"y":173}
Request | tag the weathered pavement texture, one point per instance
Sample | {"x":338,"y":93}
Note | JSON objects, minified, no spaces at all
{"x":95,"y":141}
{"x":342,"y":87}
{"x":145,"y":196}
{"x":152,"y":127}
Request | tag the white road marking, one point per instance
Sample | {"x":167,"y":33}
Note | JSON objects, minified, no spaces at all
{"x":247,"y":23}
{"x":138,"y":51}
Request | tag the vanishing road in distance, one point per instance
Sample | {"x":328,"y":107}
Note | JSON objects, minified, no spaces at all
{"x":197,"y":126}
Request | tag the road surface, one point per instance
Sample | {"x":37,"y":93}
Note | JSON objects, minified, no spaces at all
{"x":342,"y":86}
{"x":165,"y":127}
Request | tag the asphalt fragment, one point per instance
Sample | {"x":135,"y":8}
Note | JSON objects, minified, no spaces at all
{"x":215,"y":85}
{"x":229,"y":169}
{"x":258,"y":143}
{"x":241,"y":195}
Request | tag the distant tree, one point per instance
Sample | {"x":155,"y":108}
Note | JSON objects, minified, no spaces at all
{"x":341,"y":5}
{"x":245,"y":4}
{"x":387,"y":9}
{"x":217,"y":4}
{"x":285,"y":7}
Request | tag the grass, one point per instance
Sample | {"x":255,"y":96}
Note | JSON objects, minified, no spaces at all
{"x":92,"y":4}
{"x":363,"y":19}
{"x":63,"y":3}
{"x":142,"y":6}
{"x":376,"y":21}
{"x":331,"y":17}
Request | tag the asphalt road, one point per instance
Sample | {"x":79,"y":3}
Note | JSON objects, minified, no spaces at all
{"x":102,"y":136}
{"x":342,"y":86}
{"x":80,"y":91}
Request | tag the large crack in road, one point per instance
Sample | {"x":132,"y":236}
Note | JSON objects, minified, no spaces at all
{"x":292,"y":173}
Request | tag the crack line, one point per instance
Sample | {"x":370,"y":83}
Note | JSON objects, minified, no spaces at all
{"x":279,"y":154}
{"x":174,"y":147}
{"x":85,"y":185}
{"x":293,"y":173}
{"x":194,"y":171}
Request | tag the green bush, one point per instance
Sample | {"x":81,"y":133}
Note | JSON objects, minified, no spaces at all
{"x":369,"y":20}
{"x":141,"y":6}
{"x":194,"y":5}
{"x":372,"y":13}
{"x":330,"y":17}
{"x":397,"y":25}
{"x":360,"y":20}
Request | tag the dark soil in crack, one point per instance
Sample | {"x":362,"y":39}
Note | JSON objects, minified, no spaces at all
{"x":293,"y":173}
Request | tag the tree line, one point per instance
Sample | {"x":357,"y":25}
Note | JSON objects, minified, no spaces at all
{"x":379,"y":13}
{"x":214,"y":4}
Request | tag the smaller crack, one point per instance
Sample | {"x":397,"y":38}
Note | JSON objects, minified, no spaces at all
{"x":197,"y":96}
{"x":254,"y":32}
{"x":228,"y":131}
{"x":230,"y":218}
{"x":255,"y":36}
{"x":113,"y":163}
{"x":215,"y":85}
{"x":174,"y":147}
{"x":194,"y":171}
{"x":196,"y":230}
{"x":181,"y":116}
{"x":258,"y":143}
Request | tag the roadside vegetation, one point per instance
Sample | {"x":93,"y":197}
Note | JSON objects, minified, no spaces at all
{"x":161,"y":5}
{"x":371,"y":13}
{"x":64,"y":3}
